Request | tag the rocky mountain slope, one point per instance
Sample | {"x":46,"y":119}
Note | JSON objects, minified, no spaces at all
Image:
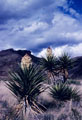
{"x":10,"y":58}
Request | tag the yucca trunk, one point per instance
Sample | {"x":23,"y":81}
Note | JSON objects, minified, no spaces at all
{"x":69,"y":106}
{"x":26,"y":110}
{"x":65,"y":75}
{"x":51,"y":78}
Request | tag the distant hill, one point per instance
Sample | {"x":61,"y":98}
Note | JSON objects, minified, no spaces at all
{"x":76,"y":71}
{"x":10,"y":58}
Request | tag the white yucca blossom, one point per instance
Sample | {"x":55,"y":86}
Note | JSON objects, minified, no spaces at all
{"x":26,"y":61}
{"x":49,"y":51}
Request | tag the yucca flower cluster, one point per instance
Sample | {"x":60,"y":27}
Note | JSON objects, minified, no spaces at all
{"x":26,"y":61}
{"x":49,"y":52}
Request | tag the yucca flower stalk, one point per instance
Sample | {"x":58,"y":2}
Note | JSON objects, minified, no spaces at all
{"x":26,"y":85}
{"x":49,"y":52}
{"x":26,"y":61}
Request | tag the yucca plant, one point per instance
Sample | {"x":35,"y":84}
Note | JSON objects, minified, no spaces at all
{"x":65,"y":63}
{"x":50,"y":64}
{"x":26,"y":85}
{"x":63,"y":93}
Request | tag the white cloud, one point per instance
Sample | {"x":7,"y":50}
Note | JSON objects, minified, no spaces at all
{"x":73,"y":12}
{"x":77,"y":35}
{"x":41,"y":24}
{"x":42,"y":53}
{"x":60,"y":50}
{"x":55,"y":51}
{"x":75,"y":50}
{"x":60,"y":18}
{"x":64,"y":27}
{"x":36,"y":26}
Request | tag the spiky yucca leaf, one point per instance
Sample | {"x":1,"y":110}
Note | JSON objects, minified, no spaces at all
{"x":62,"y":92}
{"x":50,"y":63}
{"x":26,"y":84}
{"x":65,"y":62}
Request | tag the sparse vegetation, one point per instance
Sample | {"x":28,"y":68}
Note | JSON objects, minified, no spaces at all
{"x":27,"y":84}
{"x":62,"y":117}
{"x":75,"y":82}
{"x":48,"y":117}
{"x":76,"y":115}
{"x":62,"y":92}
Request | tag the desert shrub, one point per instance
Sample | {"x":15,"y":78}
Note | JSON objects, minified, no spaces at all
{"x":62,"y":117}
{"x":7,"y":112}
{"x":62,"y":92}
{"x":75,"y":82}
{"x":49,"y":105}
{"x":48,"y":117}
{"x":76,"y":115}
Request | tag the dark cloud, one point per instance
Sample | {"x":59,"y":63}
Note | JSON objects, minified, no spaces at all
{"x":17,"y":9}
{"x":21,"y":9}
{"x":36,"y":24}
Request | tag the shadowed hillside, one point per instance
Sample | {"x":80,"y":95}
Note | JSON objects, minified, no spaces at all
{"x":9,"y":59}
{"x":76,"y":71}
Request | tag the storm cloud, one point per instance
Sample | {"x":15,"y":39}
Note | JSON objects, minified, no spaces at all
{"x":37,"y":24}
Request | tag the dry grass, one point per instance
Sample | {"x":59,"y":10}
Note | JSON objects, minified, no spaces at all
{"x":5,"y":94}
{"x":7,"y":101}
{"x":63,"y":112}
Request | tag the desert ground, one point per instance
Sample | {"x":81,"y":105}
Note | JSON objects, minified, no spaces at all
{"x":68,"y":111}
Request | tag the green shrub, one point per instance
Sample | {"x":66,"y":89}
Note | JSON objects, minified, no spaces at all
{"x":76,"y":115}
{"x":62,"y":92}
{"x":73,"y":82}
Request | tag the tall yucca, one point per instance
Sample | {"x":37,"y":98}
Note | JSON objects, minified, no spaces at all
{"x":26,"y":85}
{"x":63,"y":93}
{"x":65,"y":63}
{"x":50,"y":64}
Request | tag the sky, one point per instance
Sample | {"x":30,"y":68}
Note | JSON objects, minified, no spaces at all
{"x":36,"y":24}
